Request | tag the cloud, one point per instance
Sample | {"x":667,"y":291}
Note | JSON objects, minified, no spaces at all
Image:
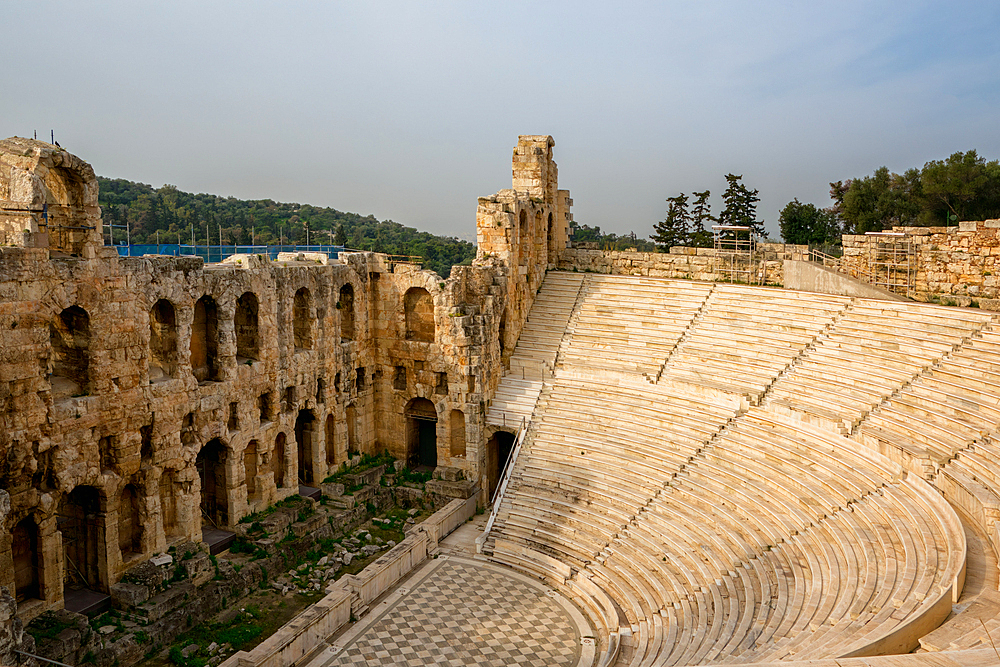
{"x":409,"y":110}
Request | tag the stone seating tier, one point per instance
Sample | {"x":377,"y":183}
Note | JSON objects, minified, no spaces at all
{"x":729,"y":534}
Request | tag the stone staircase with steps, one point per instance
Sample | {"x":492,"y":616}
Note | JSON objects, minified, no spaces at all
{"x":534,"y":357}
{"x":515,"y":474}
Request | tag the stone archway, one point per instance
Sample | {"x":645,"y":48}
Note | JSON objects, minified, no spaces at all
{"x":211,"y":464}
{"x":27,"y":563}
{"x":304,"y":440}
{"x":205,"y":340}
{"x":81,"y":521}
{"x":498,"y":450}
{"x":421,"y":433}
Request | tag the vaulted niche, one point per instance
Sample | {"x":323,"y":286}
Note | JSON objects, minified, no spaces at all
{"x":246,"y":323}
{"x":162,"y":341}
{"x":205,"y":340}
{"x":345,"y":306}
{"x":418,"y":307}
{"x":302,"y":320}
{"x":69,"y":334}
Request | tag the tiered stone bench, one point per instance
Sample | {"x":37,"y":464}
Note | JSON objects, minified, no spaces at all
{"x":696,"y":526}
{"x":631,"y":324}
{"x":874,"y":349}
{"x":746,"y":336}
{"x":535,"y":354}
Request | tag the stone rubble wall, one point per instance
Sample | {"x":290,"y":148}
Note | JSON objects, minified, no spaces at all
{"x":953,"y":265}
{"x":684,"y":263}
{"x":161,"y":390}
{"x":353,"y":594}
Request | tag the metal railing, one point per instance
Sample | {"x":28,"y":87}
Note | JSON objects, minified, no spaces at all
{"x":505,"y":478}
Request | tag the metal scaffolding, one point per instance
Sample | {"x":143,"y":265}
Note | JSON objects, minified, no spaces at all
{"x":891,"y":261}
{"x":737,"y":248}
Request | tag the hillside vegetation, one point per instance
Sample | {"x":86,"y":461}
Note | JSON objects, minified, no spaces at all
{"x":173,"y":213}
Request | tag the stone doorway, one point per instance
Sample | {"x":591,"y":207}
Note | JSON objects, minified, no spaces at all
{"x":27,"y":576}
{"x":81,"y":522}
{"x":304,"y":441}
{"x":421,"y":433}
{"x":212,"y":473}
{"x":498,"y":451}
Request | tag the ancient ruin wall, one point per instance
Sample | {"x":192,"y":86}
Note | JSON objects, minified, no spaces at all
{"x":525,"y":230}
{"x":954,"y":265}
{"x":682,"y":262}
{"x":146,"y":397}
{"x":48,"y":198}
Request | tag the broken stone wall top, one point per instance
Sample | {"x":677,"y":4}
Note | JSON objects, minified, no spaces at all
{"x":48,"y":198}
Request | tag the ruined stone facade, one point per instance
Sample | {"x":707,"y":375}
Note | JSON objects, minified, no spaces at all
{"x":145,"y":398}
{"x":955,"y":265}
{"x":709,"y":264}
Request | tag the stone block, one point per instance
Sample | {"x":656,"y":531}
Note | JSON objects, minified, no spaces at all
{"x":126,"y":595}
{"x":332,"y":489}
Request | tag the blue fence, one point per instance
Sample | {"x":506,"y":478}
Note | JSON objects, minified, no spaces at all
{"x":216,"y":253}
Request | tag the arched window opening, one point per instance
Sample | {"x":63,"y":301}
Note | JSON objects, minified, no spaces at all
{"x":304,"y":442}
{"x":331,"y":441}
{"x":246,"y":322}
{"x":302,"y":320}
{"x":418,"y":308}
{"x":211,"y":464}
{"x":27,"y":571}
{"x":162,"y":341}
{"x":421,"y":433}
{"x":205,"y":340}
{"x":69,"y":335}
{"x":352,"y":430}
{"x":502,"y":332}
{"x":129,"y":523}
{"x":278,"y":461}
{"x":550,"y":238}
{"x":81,"y":522}
{"x":168,"y":505}
{"x":345,"y":305}
{"x":250,"y":469}
{"x":457,"y":433}
{"x":523,"y":237}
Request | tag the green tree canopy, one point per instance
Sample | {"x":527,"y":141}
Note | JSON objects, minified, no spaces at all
{"x":740,"y":205}
{"x":963,"y":187}
{"x":175,"y":215}
{"x":676,"y":228}
{"x":805,"y":224}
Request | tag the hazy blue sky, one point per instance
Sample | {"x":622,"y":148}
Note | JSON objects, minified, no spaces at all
{"x":409,"y":111}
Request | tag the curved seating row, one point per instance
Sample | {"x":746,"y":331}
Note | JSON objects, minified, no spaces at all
{"x":631,"y":324}
{"x":695,"y":532}
{"x":875,"y":348}
{"x":741,"y":343}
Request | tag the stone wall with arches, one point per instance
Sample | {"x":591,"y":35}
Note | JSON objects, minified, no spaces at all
{"x":151,"y":398}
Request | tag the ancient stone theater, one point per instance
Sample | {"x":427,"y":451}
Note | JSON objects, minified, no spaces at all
{"x":635,"y":459}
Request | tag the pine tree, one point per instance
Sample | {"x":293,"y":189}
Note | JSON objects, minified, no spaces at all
{"x":675,"y":229}
{"x":340,"y":236}
{"x":701,"y":221}
{"x":741,"y":205}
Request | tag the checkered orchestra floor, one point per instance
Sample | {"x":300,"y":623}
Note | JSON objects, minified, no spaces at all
{"x":457,"y":611}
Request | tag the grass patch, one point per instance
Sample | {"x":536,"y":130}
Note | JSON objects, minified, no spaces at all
{"x":290,"y":501}
{"x":47,"y":626}
{"x":367,"y":462}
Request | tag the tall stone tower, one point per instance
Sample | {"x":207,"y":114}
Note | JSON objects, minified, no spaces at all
{"x":48,"y":198}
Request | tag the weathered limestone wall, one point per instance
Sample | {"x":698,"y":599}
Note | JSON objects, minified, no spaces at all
{"x":48,"y":198}
{"x":957,"y":264}
{"x":523,"y":231}
{"x":146,"y":397}
{"x":683,"y":262}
